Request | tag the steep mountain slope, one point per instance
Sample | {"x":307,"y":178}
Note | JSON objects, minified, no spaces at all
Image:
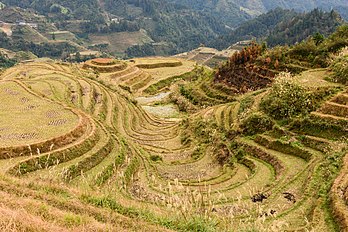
{"x":230,"y":12}
{"x":279,"y":27}
{"x":152,"y":27}
{"x":234,"y":12}
{"x":167,"y":24}
{"x":302,"y":26}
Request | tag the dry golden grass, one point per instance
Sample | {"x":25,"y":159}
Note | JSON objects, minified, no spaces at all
{"x":166,"y":72}
{"x":156,"y":62}
{"x":137,"y":173}
{"x":25,"y":214}
{"x":105,"y":65}
{"x":27,"y":118}
{"x":315,"y":78}
{"x":21,"y":221}
{"x":103,"y":61}
{"x":339,"y":196}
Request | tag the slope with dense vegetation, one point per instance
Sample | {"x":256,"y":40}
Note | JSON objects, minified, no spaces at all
{"x":280,"y":27}
{"x":136,"y":28}
{"x":235,"y":12}
{"x":167,"y":25}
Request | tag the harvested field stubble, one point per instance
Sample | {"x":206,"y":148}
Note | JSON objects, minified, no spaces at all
{"x":23,"y":135}
{"x":105,"y":65}
{"x":98,"y":161}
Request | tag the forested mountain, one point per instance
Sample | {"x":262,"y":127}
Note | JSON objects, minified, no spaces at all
{"x":158,"y":27}
{"x":174,"y":27}
{"x":234,"y":12}
{"x":229,"y":12}
{"x":279,"y":27}
{"x":304,"y":25}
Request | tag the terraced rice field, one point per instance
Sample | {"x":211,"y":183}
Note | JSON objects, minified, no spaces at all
{"x":47,"y":119}
{"x":89,"y":157}
{"x":156,"y":62}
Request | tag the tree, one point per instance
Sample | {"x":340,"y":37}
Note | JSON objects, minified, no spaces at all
{"x":318,"y":38}
{"x":78,"y":57}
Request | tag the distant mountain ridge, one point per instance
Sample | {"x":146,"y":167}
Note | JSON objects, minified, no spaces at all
{"x":152,"y":27}
{"x":280,"y":27}
{"x":234,"y":12}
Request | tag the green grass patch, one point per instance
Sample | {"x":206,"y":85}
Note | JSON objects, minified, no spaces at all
{"x":110,"y":169}
{"x":194,"y":223}
{"x":131,"y":169}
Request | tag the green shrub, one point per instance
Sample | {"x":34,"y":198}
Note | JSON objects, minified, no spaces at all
{"x":187,"y":93}
{"x":287,"y":99}
{"x":5,"y":62}
{"x":257,"y":123}
{"x":294,"y":148}
{"x":155,"y":158}
{"x":240,"y":154}
{"x":340,"y":69}
{"x":185,"y":138}
{"x":316,"y":126}
{"x":302,"y":50}
{"x":245,"y":104}
{"x":334,"y":45}
{"x":198,"y":152}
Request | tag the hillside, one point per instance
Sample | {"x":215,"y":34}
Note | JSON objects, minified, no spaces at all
{"x":235,"y":12}
{"x":280,"y":27}
{"x":165,"y":25}
{"x":164,"y":144}
{"x":255,"y":67}
{"x":136,"y":28}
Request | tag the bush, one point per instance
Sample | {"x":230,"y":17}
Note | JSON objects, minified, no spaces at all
{"x":340,"y":69}
{"x":5,"y":62}
{"x":156,"y":158}
{"x":336,"y":45}
{"x":222,"y":153}
{"x":187,"y":93}
{"x":287,"y":99}
{"x":245,"y":104}
{"x":319,"y":127}
{"x":183,"y":103}
{"x":303,"y":50}
{"x":198,"y":152}
{"x":257,"y":123}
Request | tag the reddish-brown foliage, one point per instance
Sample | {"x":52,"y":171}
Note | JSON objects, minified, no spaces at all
{"x":242,"y":72}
